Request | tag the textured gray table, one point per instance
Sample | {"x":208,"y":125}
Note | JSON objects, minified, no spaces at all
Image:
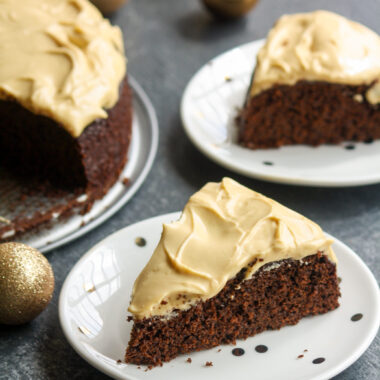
{"x":166,"y":42}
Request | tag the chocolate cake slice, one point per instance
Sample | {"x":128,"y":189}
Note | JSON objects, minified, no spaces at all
{"x":65,"y":102}
{"x":316,"y":81}
{"x":234,"y":265}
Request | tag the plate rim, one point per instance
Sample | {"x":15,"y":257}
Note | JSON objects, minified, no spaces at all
{"x":112,"y":371}
{"x":140,"y":96}
{"x":235,"y":167}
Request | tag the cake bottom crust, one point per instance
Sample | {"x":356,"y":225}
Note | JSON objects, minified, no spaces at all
{"x":311,"y":113}
{"x":279,"y":294}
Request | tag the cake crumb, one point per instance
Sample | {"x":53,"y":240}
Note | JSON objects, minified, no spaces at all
{"x":359,"y":98}
{"x":188,"y":360}
{"x":299,"y":356}
{"x":125,"y":181}
{"x":4,"y":220}
{"x":305,"y":350}
{"x":219,"y":350}
{"x":119,"y":361}
{"x":208,"y":364}
{"x":228,"y":79}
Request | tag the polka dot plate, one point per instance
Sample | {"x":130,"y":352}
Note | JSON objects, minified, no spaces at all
{"x":93,"y":312}
{"x":210,"y":105}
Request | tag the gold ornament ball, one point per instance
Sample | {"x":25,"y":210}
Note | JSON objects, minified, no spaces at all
{"x":108,"y":6}
{"x":26,"y":283}
{"x":229,"y":8}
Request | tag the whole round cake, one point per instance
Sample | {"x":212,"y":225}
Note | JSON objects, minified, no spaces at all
{"x":65,"y":102}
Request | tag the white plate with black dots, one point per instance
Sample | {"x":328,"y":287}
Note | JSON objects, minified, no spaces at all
{"x":210,"y":105}
{"x":93,"y":311}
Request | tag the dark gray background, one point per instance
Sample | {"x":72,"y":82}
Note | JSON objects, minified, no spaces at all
{"x":166,"y":42}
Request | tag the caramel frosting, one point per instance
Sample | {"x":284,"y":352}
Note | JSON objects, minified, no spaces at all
{"x":319,"y":46}
{"x":61,"y":59}
{"x":223,"y":227}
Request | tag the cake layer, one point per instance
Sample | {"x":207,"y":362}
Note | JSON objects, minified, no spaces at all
{"x":35,"y":146}
{"x":279,"y":294}
{"x":310,"y":113}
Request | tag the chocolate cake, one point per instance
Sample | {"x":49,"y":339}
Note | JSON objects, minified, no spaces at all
{"x":65,"y":102}
{"x":316,"y":81}
{"x":36,"y":146}
{"x":234,"y":265}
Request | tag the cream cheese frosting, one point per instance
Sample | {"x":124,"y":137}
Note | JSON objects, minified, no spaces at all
{"x":319,"y":46}
{"x":61,"y":59}
{"x":223,"y":228}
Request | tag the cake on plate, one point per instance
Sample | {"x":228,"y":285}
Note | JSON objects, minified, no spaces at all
{"x":65,"y":102}
{"x":316,"y":81}
{"x":235,"y":264}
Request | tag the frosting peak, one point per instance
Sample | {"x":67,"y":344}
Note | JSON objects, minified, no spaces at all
{"x":222,"y":229}
{"x":61,"y":59}
{"x":319,"y":46}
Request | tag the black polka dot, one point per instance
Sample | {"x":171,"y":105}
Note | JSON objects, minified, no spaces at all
{"x":356,"y":317}
{"x":141,"y":242}
{"x":268,"y":163}
{"x":318,"y":360}
{"x":261,"y":348}
{"x":350,"y":147}
{"x":368,"y":141}
{"x":238,"y":352}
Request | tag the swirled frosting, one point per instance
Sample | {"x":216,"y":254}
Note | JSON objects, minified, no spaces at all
{"x":223,"y":228}
{"x":61,"y":59}
{"x":319,"y":46}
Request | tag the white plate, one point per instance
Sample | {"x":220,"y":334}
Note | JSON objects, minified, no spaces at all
{"x":141,"y":155}
{"x":208,"y":109}
{"x":96,"y":294}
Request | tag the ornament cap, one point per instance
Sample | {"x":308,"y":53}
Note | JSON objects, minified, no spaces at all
{"x":229,"y":9}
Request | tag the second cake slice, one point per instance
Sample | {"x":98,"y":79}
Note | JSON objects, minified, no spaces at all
{"x":316,"y":81}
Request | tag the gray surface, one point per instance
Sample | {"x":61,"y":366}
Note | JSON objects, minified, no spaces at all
{"x":166,"y":42}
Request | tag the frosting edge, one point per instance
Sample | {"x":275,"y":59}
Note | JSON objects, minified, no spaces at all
{"x":159,"y":289}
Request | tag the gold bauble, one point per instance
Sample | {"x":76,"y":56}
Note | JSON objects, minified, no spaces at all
{"x":26,"y":283}
{"x":108,"y":6}
{"x":229,"y":8}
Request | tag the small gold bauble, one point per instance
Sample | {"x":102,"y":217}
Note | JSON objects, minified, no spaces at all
{"x":26,"y":283}
{"x":229,"y":8}
{"x":108,"y":6}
